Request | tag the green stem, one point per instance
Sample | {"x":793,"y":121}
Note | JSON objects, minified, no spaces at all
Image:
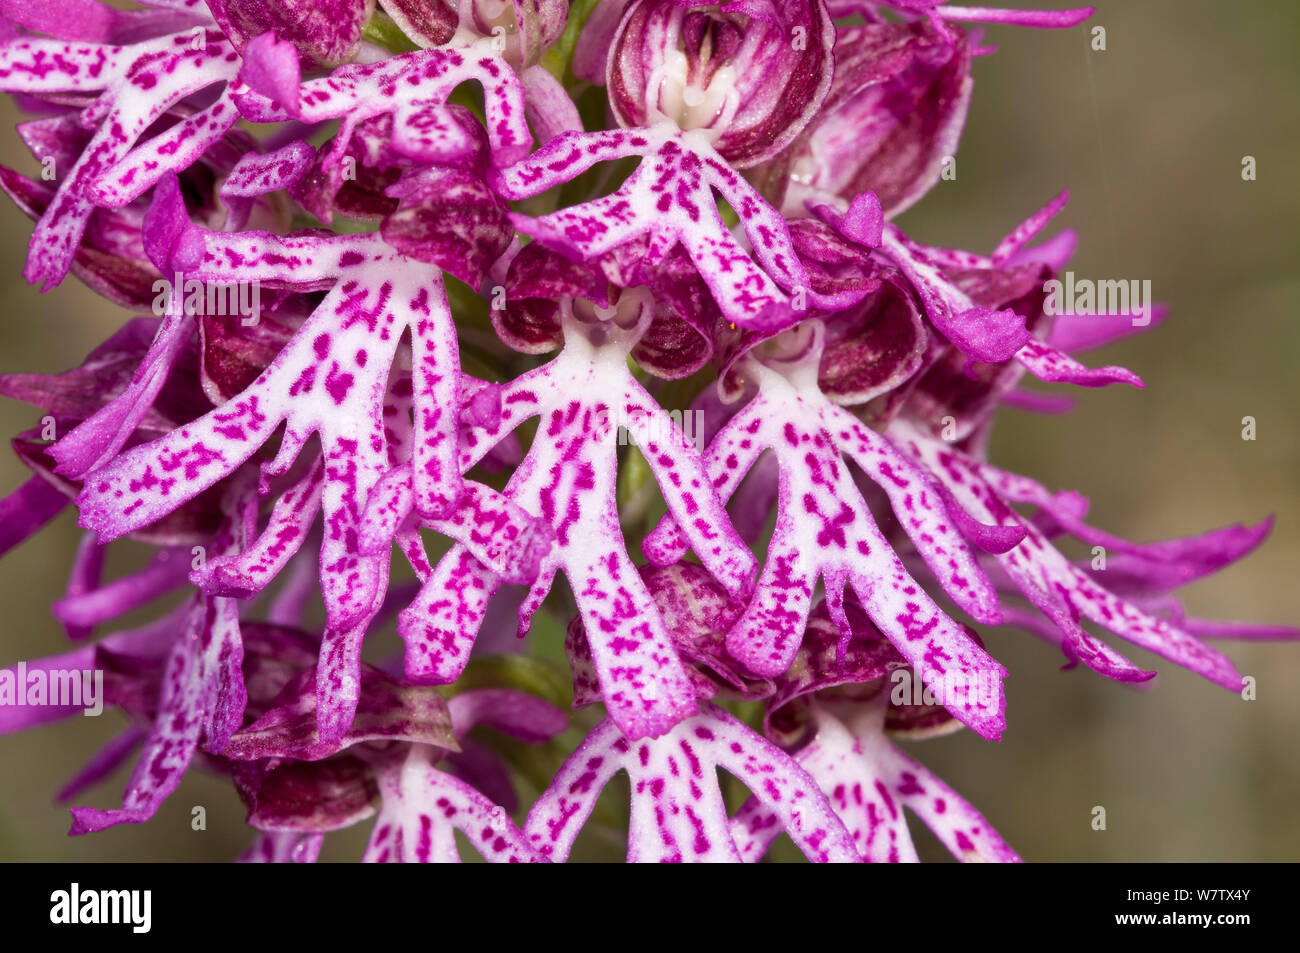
{"x":559,"y":59}
{"x":382,"y":30}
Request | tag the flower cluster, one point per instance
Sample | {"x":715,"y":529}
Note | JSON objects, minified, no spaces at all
{"x":471,"y":247}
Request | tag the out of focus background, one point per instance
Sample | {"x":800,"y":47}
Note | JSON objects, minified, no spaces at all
{"x":1149,"y":135}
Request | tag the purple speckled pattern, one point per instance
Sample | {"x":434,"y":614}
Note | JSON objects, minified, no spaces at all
{"x":134,"y":86}
{"x":201,"y":698}
{"x":568,"y":479}
{"x":257,"y":174}
{"x":677,"y":810}
{"x":825,"y":529}
{"x":670,"y":198}
{"x":869,"y":783}
{"x":422,"y":810}
{"x":1061,"y":590}
{"x":598,"y":314}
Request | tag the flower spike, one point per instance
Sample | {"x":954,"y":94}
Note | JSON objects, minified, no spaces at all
{"x":825,"y":529}
{"x":608,"y":289}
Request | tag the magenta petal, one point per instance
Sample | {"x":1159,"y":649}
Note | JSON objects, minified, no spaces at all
{"x":1075,"y":332}
{"x":271,"y":68}
{"x":92,"y":21}
{"x":100,"y":603}
{"x":920,"y":508}
{"x":1216,"y":629}
{"x":596,"y":41}
{"x":1159,"y":567}
{"x":864,"y":222}
{"x":450,"y":218}
{"x":24,"y":511}
{"x":1035,"y":402}
{"x":509,"y":542}
{"x":86,"y":575}
{"x":825,"y":528}
{"x":1061,"y":590}
{"x":308,"y":798}
{"x":332,"y":375}
{"x":171,"y":240}
{"x":248,"y":572}
{"x":396,"y":85}
{"x":179,"y":147}
{"x":99,"y":438}
{"x":894,"y":111}
{"x":338,"y":673}
{"x":325,"y":31}
{"x":18,"y":677}
{"x":201,"y":698}
{"x":440,"y":625}
{"x":495,"y":530}
{"x":1048,"y":364}
{"x":510,"y":712}
{"x":569,"y":478}
{"x":59,"y":138}
{"x":1047,"y":19}
{"x":692,"y":499}
{"x":982,"y":334}
{"x":1012,"y":247}
{"x":387,"y":711}
{"x":550,"y":110}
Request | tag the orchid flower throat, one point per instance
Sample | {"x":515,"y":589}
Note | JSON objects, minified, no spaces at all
{"x":629,"y":310}
{"x":794,"y":354}
{"x":695,"y":84}
{"x":492,"y":25}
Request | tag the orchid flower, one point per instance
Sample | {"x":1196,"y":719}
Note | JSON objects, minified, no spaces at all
{"x":330,"y":379}
{"x":202,"y":696}
{"x":840,"y":717}
{"x":825,"y":529}
{"x":669,"y":199}
{"x":568,"y":478}
{"x":484,"y":246}
{"x":699,"y":94}
{"x":123,"y":90}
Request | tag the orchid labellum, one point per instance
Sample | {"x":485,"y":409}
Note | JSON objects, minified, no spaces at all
{"x":600,"y":315}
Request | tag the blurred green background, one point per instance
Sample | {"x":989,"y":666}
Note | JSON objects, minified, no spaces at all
{"x":1149,"y":136}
